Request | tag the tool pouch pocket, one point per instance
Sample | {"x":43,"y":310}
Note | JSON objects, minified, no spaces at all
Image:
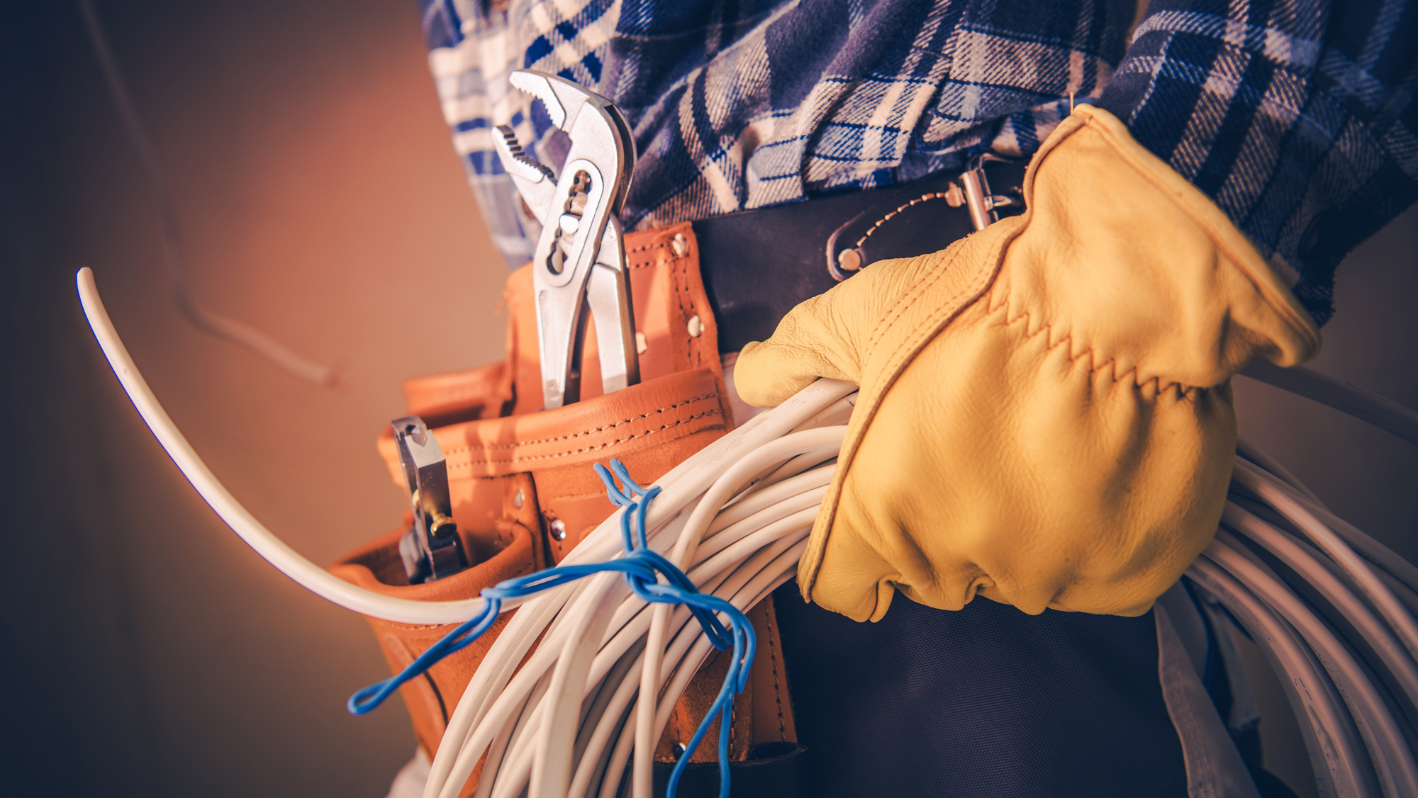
{"x":524,"y":492}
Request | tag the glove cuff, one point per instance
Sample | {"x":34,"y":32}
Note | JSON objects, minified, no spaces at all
{"x":1232,"y":244}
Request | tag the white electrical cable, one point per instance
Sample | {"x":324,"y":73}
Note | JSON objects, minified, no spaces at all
{"x":596,"y":695}
{"x":1292,"y":553}
{"x":1352,"y":731}
{"x":763,"y":579}
{"x":1325,"y":539}
{"x":1329,"y":736}
{"x":1245,"y":450}
{"x":287,"y":560}
{"x":1394,"y":765}
{"x":791,"y":517}
{"x":1372,"y":550}
{"x":478,"y":716}
{"x":734,"y":480}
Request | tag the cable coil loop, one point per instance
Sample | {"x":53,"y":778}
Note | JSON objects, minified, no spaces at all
{"x":642,"y":568}
{"x":1332,"y":609}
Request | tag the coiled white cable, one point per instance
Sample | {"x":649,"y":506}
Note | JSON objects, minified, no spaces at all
{"x":1330,"y":738}
{"x":598,"y":691}
{"x":741,"y":560}
{"x":1393,"y":764}
{"x":1351,"y":723}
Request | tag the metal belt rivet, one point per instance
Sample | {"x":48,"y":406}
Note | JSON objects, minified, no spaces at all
{"x":518,"y":500}
{"x":679,"y":245}
{"x":640,"y":344}
{"x":696,"y":327}
{"x":558,"y":529}
{"x":849,"y":259}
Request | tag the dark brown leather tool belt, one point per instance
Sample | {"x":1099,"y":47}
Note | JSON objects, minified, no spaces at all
{"x":758,"y":265}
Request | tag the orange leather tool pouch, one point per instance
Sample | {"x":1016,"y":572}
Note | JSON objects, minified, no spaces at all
{"x":524,"y":492}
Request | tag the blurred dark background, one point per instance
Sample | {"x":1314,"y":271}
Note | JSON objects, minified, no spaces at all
{"x":147,"y":651}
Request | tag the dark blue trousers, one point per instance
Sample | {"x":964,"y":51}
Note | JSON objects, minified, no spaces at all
{"x":987,"y":702}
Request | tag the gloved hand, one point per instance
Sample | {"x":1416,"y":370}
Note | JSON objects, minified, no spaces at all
{"x":1045,"y":415}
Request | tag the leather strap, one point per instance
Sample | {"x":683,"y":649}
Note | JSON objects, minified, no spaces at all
{"x":758,"y":265}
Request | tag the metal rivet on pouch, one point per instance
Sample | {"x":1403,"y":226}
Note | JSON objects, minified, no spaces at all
{"x":679,"y":245}
{"x":696,"y":327}
{"x":518,"y":500}
{"x":849,"y":259}
{"x":640,"y":344}
{"x":558,"y":530}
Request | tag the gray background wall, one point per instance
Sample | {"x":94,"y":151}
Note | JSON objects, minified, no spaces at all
{"x":147,"y":650}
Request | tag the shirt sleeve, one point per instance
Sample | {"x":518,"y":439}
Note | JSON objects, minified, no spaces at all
{"x":1294,"y":116}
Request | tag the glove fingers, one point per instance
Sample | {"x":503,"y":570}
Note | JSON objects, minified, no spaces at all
{"x":825,"y":336}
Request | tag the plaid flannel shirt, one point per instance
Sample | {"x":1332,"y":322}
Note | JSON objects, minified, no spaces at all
{"x":1294,"y":116}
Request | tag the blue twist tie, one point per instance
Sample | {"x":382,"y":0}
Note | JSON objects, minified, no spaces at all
{"x":642,"y":568}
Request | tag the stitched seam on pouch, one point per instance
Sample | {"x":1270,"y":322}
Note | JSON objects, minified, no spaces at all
{"x":654,"y":263}
{"x":583,"y":450}
{"x":773,"y":664}
{"x":680,"y":276}
{"x":653,"y":244}
{"x":648,"y":247}
{"x":1094,"y":367}
{"x":419,"y":627}
{"x":679,"y":300}
{"x":599,"y":494}
{"x":582,"y":433}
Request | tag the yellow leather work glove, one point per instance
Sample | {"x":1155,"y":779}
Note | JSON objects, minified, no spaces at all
{"x":1045,"y":415}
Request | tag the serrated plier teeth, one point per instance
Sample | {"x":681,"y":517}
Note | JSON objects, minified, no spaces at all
{"x":534,"y":181}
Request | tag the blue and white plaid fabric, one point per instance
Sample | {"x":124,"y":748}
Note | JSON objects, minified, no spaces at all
{"x":1292,"y":114}
{"x":1295,"y":116}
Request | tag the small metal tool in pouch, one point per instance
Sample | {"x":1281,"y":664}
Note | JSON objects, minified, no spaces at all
{"x":432,"y":548}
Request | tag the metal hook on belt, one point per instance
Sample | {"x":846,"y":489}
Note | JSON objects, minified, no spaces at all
{"x":579,"y":261}
{"x":976,"y":186}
